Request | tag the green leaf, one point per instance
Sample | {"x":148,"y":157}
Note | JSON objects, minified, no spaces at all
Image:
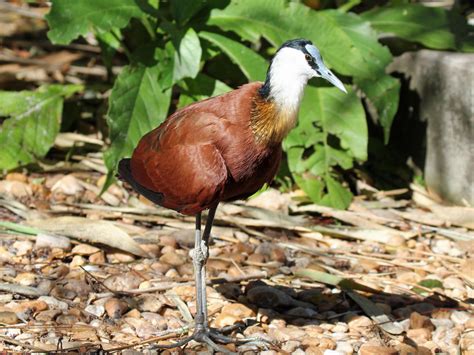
{"x":347,"y":43}
{"x":330,"y":111}
{"x":187,"y":56}
{"x":200,"y":88}
{"x":138,"y":103}
{"x":332,"y":131}
{"x":431,"y":283}
{"x":252,"y":64}
{"x":333,"y":280}
{"x":433,"y":27}
{"x":33,"y":121}
{"x":338,"y":196}
{"x":384,"y":95}
{"x":185,"y":51}
{"x":70,"y":19}
{"x":184,"y":10}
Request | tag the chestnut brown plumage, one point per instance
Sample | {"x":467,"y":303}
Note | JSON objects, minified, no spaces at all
{"x":222,"y":149}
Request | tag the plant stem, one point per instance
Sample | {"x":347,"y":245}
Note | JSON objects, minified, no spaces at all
{"x":349,"y":5}
{"x":124,"y":47}
{"x":149,"y":28}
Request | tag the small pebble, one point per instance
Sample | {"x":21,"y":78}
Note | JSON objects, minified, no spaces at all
{"x":470,"y":323}
{"x":52,"y":241}
{"x":333,"y":352}
{"x":123,"y":282}
{"x":340,"y":328}
{"x":290,"y":346}
{"x":84,"y":249}
{"x":225,"y":319}
{"x":452,"y":282}
{"x":67,"y":319}
{"x":22,"y":247}
{"x":7,"y":317}
{"x":149,"y":303}
{"x":96,"y":310}
{"x":47,"y":316}
{"x":420,"y":336}
{"x":173,"y":259}
{"x":460,"y":317}
{"x":238,"y":310}
{"x":377,"y":350}
{"x":115,"y":307}
{"x":419,"y":321}
{"x":53,"y":303}
{"x":360,"y":321}
{"x":344,"y":347}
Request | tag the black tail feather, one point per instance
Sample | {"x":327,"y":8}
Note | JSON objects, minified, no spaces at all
{"x":125,"y":174}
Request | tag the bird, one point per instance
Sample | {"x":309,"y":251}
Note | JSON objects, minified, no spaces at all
{"x":221,"y":149}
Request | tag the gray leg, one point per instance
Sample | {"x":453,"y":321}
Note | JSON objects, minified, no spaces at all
{"x":202,"y":332}
{"x":198,"y":262}
{"x":205,"y":246}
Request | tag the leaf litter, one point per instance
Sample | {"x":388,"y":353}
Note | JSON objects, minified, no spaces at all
{"x":83,"y":273}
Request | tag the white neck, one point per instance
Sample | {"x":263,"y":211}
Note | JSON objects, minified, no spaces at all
{"x":289,"y":73}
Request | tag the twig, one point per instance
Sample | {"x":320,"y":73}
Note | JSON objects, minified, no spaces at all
{"x":23,"y":345}
{"x":20,"y":10}
{"x":167,"y":334}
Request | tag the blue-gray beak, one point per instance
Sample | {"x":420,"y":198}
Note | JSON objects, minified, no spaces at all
{"x":325,"y":73}
{"x":321,"y":70}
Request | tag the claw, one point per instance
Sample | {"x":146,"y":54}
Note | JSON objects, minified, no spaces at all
{"x":211,"y":337}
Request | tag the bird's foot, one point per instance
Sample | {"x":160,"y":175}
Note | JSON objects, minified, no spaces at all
{"x":212,"y":337}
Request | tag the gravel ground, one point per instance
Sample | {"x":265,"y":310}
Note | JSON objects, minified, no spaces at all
{"x":390,"y":276}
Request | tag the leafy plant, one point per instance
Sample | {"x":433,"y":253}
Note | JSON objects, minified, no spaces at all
{"x":33,"y":121}
{"x":190,"y":50}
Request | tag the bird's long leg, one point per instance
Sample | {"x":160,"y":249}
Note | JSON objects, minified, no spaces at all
{"x":212,"y":333}
{"x":202,"y":332}
{"x":205,"y":245}
{"x":198,"y":262}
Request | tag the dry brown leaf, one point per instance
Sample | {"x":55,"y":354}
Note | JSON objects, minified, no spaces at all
{"x":92,"y":231}
{"x":459,"y":216}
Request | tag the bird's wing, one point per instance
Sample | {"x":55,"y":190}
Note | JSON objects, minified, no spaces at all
{"x":180,"y":161}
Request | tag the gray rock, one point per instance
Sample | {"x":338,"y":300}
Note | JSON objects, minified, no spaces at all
{"x":52,"y":241}
{"x":53,"y":303}
{"x":444,"y":82}
{"x":460,"y":317}
{"x":95,"y":310}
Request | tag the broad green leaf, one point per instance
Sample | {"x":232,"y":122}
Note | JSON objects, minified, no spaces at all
{"x":347,"y":43}
{"x":330,"y":111}
{"x":33,"y":121}
{"x":184,"y":10}
{"x":433,"y":27}
{"x":332,"y":131}
{"x":185,"y":51}
{"x":252,"y":64}
{"x":138,"y":103}
{"x":200,"y":88}
{"x":383,"y":93}
{"x":187,"y":56}
{"x":338,"y":196}
{"x":313,"y":186}
{"x":70,"y":19}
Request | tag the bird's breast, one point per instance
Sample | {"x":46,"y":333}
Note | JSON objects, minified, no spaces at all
{"x":270,"y":122}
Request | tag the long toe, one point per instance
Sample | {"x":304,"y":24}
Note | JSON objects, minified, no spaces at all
{"x":250,"y":343}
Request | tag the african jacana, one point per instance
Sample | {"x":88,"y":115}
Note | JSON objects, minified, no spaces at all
{"x":222,"y":149}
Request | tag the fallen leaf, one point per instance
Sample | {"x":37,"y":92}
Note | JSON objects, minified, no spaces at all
{"x":92,"y":231}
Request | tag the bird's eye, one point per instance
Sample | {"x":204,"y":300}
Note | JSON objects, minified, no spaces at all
{"x":308,"y":57}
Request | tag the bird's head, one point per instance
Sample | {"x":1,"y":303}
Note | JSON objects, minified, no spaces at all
{"x":301,"y":59}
